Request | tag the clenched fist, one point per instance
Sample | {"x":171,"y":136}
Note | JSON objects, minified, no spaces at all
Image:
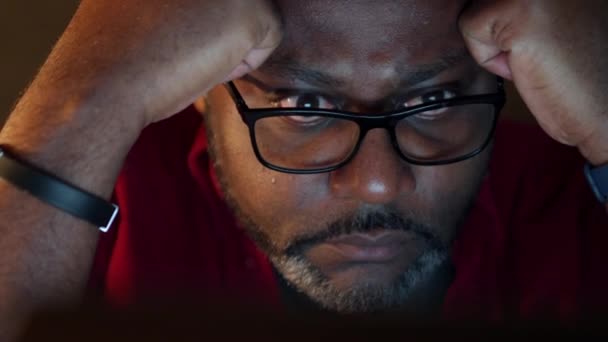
{"x":555,"y":52}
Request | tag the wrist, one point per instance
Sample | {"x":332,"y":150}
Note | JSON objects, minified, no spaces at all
{"x":595,"y":148}
{"x":77,"y":143}
{"x":596,"y":156}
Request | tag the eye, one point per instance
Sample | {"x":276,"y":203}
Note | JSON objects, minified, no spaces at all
{"x":307,"y":101}
{"x":305,"y":120}
{"x":434,"y":96}
{"x":431,"y":97}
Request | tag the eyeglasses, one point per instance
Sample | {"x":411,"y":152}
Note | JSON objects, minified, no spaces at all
{"x":307,"y":138}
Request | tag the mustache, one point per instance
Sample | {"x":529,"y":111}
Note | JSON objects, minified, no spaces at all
{"x":366,"y":222}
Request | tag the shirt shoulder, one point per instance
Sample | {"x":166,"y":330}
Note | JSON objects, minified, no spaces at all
{"x":160,"y":151}
{"x":533,"y":175}
{"x":175,"y":236}
{"x":555,"y":229}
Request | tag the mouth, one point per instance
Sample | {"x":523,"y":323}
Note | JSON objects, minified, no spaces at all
{"x":379,"y":256}
{"x":373,"y":258}
{"x":379,"y":246}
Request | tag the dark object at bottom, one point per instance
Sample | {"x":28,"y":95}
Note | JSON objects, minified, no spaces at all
{"x":229,"y":323}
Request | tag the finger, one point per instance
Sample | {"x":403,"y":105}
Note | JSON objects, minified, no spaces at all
{"x":271,"y":37}
{"x":487,"y":28}
{"x":258,"y":55}
{"x":252,"y":61}
{"x":491,"y":58}
{"x":238,"y":72}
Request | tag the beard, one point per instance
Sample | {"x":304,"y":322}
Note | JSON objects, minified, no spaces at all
{"x":365,"y":296}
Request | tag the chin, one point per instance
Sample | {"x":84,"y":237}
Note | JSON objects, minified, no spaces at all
{"x":362,"y":287}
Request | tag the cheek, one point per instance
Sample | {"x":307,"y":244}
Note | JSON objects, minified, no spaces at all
{"x":274,"y":201}
{"x":449,"y":190}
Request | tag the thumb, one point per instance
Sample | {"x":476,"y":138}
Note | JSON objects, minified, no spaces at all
{"x":260,"y":53}
{"x":488,"y":30}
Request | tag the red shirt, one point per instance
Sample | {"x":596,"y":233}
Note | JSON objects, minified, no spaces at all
{"x":534,"y":243}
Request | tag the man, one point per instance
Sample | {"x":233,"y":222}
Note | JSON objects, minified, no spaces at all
{"x":360,"y":204}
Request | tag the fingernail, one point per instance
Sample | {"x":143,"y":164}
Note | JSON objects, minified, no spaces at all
{"x":241,"y":70}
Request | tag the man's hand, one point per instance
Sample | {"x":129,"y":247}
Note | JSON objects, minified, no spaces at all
{"x":162,"y":55}
{"x":556,"y":53}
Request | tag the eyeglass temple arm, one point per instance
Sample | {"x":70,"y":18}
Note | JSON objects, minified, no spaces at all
{"x":236,"y":96}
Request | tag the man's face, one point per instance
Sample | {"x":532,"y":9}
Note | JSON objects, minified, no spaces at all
{"x":374,"y":233}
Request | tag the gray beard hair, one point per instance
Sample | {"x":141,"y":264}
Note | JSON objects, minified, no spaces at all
{"x":365,"y":297}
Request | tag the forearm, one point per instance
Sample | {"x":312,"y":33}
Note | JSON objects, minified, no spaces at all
{"x":119,"y":66}
{"x":78,"y":135}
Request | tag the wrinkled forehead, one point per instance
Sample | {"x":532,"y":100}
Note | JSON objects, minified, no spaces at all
{"x":368,"y":36}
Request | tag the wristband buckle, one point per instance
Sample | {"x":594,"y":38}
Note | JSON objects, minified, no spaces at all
{"x":109,"y":224}
{"x":57,"y":192}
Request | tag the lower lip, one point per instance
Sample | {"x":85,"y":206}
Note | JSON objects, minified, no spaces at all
{"x":376,"y":247}
{"x":358,"y":253}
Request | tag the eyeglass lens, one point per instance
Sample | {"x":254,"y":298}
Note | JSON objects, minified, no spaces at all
{"x":315,"y":142}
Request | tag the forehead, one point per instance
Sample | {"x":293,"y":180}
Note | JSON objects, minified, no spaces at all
{"x":365,"y":25}
{"x":367,"y":40}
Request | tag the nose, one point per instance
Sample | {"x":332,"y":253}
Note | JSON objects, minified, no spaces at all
{"x":376,"y":174}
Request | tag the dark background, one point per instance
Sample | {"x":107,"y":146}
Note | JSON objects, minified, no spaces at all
{"x":28,"y":30}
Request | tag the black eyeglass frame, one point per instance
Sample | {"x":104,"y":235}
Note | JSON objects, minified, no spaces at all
{"x":388,"y":121}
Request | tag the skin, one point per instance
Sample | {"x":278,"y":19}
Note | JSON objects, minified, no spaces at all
{"x":152,"y":58}
{"x":169,"y":58}
{"x":532,"y":43}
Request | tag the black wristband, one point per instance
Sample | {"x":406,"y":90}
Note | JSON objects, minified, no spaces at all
{"x":57,"y":192}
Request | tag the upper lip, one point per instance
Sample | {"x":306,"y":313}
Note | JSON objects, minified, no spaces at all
{"x":374,"y":239}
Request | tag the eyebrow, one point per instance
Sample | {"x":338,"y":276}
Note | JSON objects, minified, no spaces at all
{"x":408,"y":75}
